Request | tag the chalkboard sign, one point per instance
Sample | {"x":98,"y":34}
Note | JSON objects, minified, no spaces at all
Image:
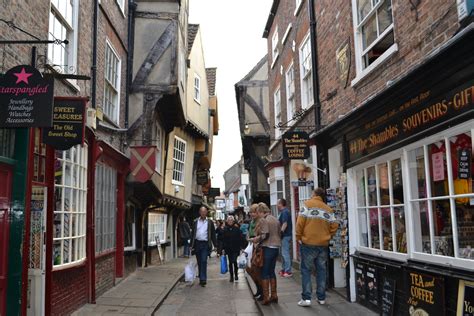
{"x":372,"y":287}
{"x":464,"y":163}
{"x":388,"y":297}
{"x":465,"y":298}
{"x":360,"y":283}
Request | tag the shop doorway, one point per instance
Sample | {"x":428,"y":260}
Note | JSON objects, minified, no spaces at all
{"x":5,"y":198}
{"x":36,"y":263}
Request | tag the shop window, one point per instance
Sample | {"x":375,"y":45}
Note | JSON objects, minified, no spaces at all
{"x":374,"y":31}
{"x":105,"y":208}
{"x":179,"y":160}
{"x":277,"y":188}
{"x":39,"y":158}
{"x":380,"y":211}
{"x":112,"y":83}
{"x":443,"y":204}
{"x":7,"y":142}
{"x":129,"y":231}
{"x":63,"y":26}
{"x":70,"y":204}
{"x":156,"y":228}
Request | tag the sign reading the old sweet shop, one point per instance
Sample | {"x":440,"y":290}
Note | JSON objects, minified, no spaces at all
{"x":26,"y":98}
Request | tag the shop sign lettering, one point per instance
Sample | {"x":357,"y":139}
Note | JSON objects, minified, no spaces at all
{"x":465,"y":298}
{"x":295,"y":145}
{"x":68,"y":123}
{"x":425,"y":294}
{"x":26,"y":98}
{"x":411,"y":117}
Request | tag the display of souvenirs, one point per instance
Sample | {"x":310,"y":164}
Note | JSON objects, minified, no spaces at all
{"x":336,"y":199}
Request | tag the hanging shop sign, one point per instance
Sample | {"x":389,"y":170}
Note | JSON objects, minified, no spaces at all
{"x":26,"y":98}
{"x":343,"y":63}
{"x":213,"y":192}
{"x":415,"y":115}
{"x":142,"y":162}
{"x":388,"y":297}
{"x":295,"y":145}
{"x":202,"y":177}
{"x":68,"y":123}
{"x":465,"y":298}
{"x":425,"y":294}
{"x":464,"y":163}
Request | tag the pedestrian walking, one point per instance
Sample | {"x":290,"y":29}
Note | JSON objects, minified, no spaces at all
{"x":269,"y":239}
{"x":204,"y":239}
{"x":315,"y":226}
{"x":254,"y":271}
{"x":184,"y":233}
{"x":286,"y":236}
{"x":219,"y":233}
{"x":232,"y":239}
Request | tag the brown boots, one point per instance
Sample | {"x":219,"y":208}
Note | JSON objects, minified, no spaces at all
{"x":267,"y":286}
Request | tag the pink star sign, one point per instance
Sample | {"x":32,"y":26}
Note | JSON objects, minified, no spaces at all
{"x":22,"y":76}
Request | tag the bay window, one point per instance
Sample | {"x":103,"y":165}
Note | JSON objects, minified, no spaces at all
{"x":70,"y":200}
{"x":156,"y":228}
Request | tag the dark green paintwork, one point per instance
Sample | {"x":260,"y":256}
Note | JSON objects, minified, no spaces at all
{"x":17,"y":222}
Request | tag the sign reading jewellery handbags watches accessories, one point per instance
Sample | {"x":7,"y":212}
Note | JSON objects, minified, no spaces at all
{"x":26,"y":98}
{"x":295,"y":145}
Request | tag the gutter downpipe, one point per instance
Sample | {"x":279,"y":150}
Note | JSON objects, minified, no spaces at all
{"x":94,"y":52}
{"x":314,"y":64}
{"x":132,"y":6}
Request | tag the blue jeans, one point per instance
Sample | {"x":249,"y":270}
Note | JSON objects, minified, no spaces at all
{"x":186,"y":247}
{"x":270,"y":256}
{"x":313,"y":256}
{"x":202,"y":252}
{"x":285,"y":254}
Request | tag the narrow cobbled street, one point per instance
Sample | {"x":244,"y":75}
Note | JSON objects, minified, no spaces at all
{"x":219,"y":297}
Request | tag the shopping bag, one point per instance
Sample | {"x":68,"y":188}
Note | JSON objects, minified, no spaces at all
{"x":190,"y":271}
{"x":224,"y":268}
{"x":249,"y":251}
{"x":242,"y":261}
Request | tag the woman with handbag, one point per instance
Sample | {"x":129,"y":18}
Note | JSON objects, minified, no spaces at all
{"x":254,"y":270}
{"x":269,"y":240}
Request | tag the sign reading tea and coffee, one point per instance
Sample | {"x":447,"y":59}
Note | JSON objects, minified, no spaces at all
{"x":425,"y":294}
{"x":295,"y":145}
{"x":68,"y":123}
{"x":26,"y":98}
{"x":415,"y":115}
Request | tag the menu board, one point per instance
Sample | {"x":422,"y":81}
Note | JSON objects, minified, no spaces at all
{"x":361,"y":294}
{"x":372,"y":286}
{"x":465,"y":298}
{"x":388,"y":297}
{"x":425,"y":294}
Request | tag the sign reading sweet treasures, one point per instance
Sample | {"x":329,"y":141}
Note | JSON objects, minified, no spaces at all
{"x":68,"y":123}
{"x":26,"y":98}
{"x":295,"y":145}
{"x":413,"y":116}
{"x":425,"y":294}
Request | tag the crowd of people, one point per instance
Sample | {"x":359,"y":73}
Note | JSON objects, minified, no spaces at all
{"x":269,"y":237}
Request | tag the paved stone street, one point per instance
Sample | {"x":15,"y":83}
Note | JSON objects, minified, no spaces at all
{"x":219,"y":297}
{"x":140,"y":293}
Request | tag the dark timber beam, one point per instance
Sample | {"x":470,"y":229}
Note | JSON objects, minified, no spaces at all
{"x":258,"y":111}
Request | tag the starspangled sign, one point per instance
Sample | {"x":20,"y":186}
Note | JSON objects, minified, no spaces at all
{"x":26,"y":98}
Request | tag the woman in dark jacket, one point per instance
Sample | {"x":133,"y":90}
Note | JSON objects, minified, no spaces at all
{"x":232,"y":238}
{"x":220,"y":235}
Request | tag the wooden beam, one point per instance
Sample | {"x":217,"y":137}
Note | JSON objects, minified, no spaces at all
{"x":253,"y":83}
{"x":157,"y":15}
{"x":258,"y":111}
{"x":156,"y":51}
{"x":154,"y":88}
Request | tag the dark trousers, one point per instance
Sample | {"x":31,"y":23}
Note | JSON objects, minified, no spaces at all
{"x":233,"y":268}
{"x":202,"y":252}
{"x":270,"y":256}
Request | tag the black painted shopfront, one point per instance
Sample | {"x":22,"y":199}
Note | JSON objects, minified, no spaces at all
{"x":408,"y":155}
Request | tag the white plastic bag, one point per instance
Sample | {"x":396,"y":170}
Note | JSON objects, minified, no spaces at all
{"x":248,"y":252}
{"x":190,"y":271}
{"x":242,"y":261}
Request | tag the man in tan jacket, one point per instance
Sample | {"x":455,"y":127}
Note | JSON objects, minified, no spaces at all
{"x":315,"y":226}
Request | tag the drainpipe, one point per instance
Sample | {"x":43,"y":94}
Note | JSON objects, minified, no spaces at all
{"x":132,"y":6}
{"x":314,"y":64}
{"x":94,"y":52}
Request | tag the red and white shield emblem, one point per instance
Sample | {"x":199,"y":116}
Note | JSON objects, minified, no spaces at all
{"x":142,"y":162}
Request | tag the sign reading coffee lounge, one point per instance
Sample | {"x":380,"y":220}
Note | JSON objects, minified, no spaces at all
{"x":411,"y":117}
{"x":295,"y":145}
{"x":26,"y":98}
{"x":68,"y":123}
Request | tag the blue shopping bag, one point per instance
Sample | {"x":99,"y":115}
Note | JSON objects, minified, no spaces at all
{"x":224,"y":268}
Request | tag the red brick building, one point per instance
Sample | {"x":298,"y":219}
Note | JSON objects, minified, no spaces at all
{"x":395,"y":91}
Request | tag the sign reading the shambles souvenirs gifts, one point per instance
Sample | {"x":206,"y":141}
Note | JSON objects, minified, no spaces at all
{"x":295,"y":145}
{"x":26,"y":98}
{"x":425,"y":294}
{"x":68,"y":123}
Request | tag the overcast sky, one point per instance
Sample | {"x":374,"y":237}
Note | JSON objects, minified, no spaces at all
{"x":232,"y":38}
